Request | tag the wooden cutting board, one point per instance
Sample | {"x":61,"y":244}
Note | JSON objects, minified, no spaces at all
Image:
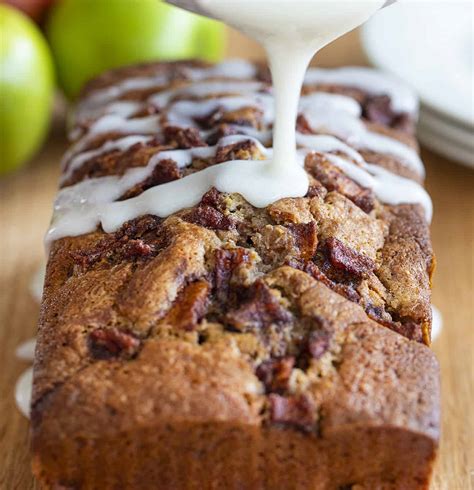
{"x":25,"y":209}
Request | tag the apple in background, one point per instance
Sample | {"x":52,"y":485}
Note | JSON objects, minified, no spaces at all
{"x":33,"y":8}
{"x":26,"y":88}
{"x":90,"y":36}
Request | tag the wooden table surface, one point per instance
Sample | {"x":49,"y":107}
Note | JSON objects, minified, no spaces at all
{"x":25,"y":210}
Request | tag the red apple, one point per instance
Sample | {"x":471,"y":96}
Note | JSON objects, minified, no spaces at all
{"x":33,"y":8}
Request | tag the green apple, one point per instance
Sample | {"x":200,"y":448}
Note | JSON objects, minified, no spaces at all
{"x":90,"y":36}
{"x":26,"y":88}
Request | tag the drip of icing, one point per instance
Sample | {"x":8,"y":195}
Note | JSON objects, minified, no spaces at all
{"x":114,"y":123}
{"x":124,"y":108}
{"x":289,"y":51}
{"x":183,"y":158}
{"x":393,"y":189}
{"x":23,"y":389}
{"x":79,"y":208}
{"x":121,"y":144}
{"x":292,"y":33}
{"x":387,"y":186}
{"x":264,"y":136}
{"x":228,"y":69}
{"x":237,"y":68}
{"x":402,"y":98}
{"x":437,"y":323}
{"x":197,"y":90}
{"x":37,"y":282}
{"x":105,"y":95}
{"x":184,"y":112}
{"x":26,"y":350}
{"x":323,"y":144}
{"x":340,"y":115}
{"x":232,"y":176}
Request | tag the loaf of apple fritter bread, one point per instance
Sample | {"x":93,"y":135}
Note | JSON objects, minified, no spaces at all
{"x":227,"y":346}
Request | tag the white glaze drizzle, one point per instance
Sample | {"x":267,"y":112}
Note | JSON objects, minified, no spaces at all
{"x":436,"y":324}
{"x":104,"y":95}
{"x":232,"y":68}
{"x":373,"y":82}
{"x":368,"y":80}
{"x":120,"y":124}
{"x":323,"y":143}
{"x":184,"y":112}
{"x":23,"y":389}
{"x":236,"y":69}
{"x":232,"y":176}
{"x":26,"y":350}
{"x":124,"y":108}
{"x":114,"y":123}
{"x":80,"y":208}
{"x":37,"y":282}
{"x":389,"y":188}
{"x":340,"y":115}
{"x":203,"y":89}
{"x":281,"y":174}
{"x":333,"y":113}
{"x":121,"y":144}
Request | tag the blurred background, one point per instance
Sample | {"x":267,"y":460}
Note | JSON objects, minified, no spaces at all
{"x":49,"y":48}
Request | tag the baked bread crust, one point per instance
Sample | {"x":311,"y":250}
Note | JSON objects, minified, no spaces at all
{"x":233,"y":347}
